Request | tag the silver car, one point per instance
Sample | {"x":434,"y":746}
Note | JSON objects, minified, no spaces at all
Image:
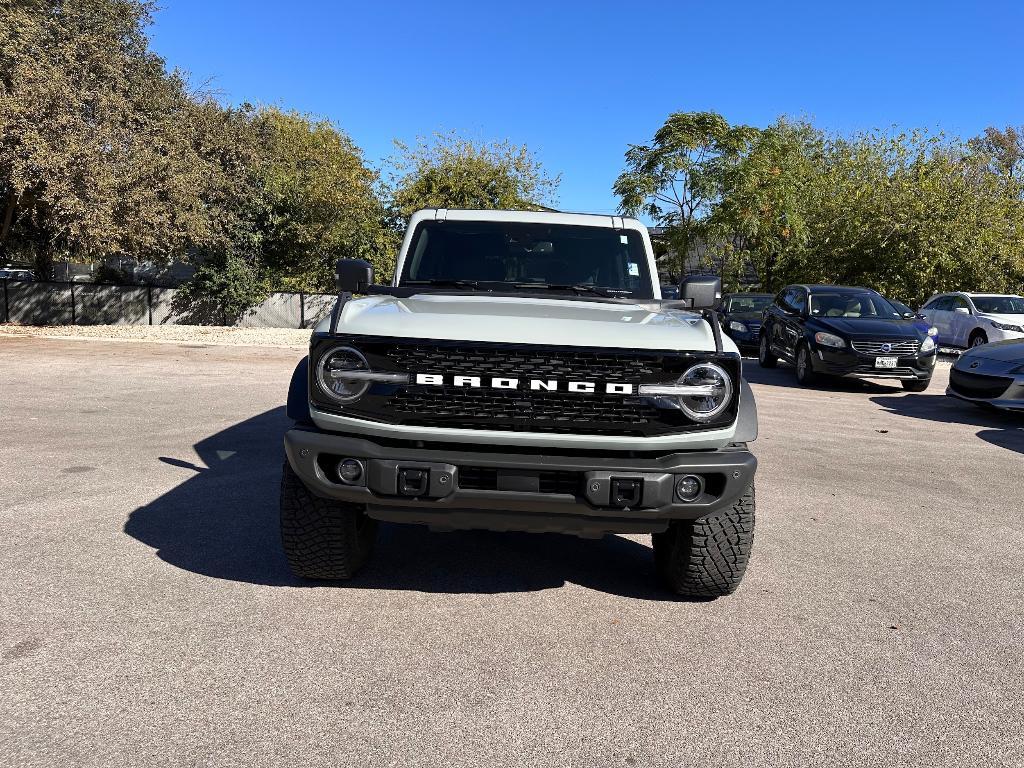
{"x":990,"y":375}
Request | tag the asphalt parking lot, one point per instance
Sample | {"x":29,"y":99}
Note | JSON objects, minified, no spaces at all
{"x":148,"y":617}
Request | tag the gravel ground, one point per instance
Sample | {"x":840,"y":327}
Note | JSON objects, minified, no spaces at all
{"x":199,"y":334}
{"x":148,"y":617}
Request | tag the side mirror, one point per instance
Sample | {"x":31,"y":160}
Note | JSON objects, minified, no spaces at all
{"x":962,"y":310}
{"x":353,"y":275}
{"x":702,"y":291}
{"x":909,"y":315}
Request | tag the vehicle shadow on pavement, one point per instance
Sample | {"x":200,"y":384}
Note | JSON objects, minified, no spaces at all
{"x":1001,"y":428}
{"x":222,"y":522}
{"x":784,"y":376}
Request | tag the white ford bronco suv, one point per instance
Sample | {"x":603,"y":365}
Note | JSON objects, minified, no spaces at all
{"x":522,"y":373}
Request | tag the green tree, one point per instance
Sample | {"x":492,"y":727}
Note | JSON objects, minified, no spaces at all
{"x":98,"y":148}
{"x":679,"y":177}
{"x":450,"y":171}
{"x":322,"y":202}
{"x":1004,"y":150}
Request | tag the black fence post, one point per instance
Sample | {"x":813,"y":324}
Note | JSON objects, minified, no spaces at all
{"x":302,"y":309}
{"x":73,"y":320}
{"x":149,"y":302}
{"x":7,"y":303}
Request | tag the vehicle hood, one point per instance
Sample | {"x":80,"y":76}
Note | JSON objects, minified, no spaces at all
{"x":1003,"y":351}
{"x":527,"y":320}
{"x":746,"y":317}
{"x":1004,"y":319}
{"x":871,"y":326}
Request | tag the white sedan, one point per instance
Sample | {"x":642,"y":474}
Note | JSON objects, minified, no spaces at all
{"x":973,"y":319}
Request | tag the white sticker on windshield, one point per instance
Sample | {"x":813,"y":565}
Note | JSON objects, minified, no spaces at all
{"x":634,"y":269}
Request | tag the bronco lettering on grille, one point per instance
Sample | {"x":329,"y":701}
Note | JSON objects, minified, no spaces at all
{"x":546,"y":385}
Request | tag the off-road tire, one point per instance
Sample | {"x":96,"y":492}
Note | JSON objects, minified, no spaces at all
{"x":322,"y":539}
{"x":808,"y":377}
{"x":764,"y":353}
{"x":916,"y":385}
{"x":977,"y":339}
{"x":707,"y":557}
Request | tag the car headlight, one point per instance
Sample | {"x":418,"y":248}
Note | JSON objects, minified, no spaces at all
{"x":338,"y":374}
{"x":829,"y":340}
{"x":933,"y":331}
{"x":928,"y":345}
{"x":1005,"y":327}
{"x":736,"y":325}
{"x":702,"y":392}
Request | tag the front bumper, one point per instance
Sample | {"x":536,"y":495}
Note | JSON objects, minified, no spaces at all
{"x":853,"y":364}
{"x":467,"y":486}
{"x":987,"y":388}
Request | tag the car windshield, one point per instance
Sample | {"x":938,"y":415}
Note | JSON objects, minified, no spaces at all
{"x":528,"y":257}
{"x":999,"y":305}
{"x":850,"y":305}
{"x":748,"y":303}
{"x":900,"y":307}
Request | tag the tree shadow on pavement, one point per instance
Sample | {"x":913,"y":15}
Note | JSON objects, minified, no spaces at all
{"x":1002,"y":428}
{"x":222,"y":522}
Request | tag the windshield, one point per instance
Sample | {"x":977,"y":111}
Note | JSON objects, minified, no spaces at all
{"x":850,"y":305}
{"x":999,"y":305}
{"x":515,"y":256}
{"x":748,"y":303}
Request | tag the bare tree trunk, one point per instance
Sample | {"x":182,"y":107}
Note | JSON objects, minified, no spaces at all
{"x":5,"y":228}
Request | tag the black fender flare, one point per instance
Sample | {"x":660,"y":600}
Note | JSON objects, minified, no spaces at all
{"x":297,"y":407}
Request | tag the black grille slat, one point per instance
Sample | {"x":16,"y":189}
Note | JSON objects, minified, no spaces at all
{"x":978,"y":384}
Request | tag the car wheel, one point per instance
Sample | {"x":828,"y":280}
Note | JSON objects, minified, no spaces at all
{"x":916,"y":385}
{"x":804,"y":367}
{"x":322,"y":539}
{"x":764,"y":354}
{"x":707,"y":557}
{"x":977,"y":339}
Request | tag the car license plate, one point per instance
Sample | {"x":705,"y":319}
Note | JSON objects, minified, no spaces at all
{"x":886,"y":362}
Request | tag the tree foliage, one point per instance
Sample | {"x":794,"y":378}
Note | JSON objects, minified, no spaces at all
{"x":678,"y":178}
{"x":906,"y":213}
{"x":450,"y":171}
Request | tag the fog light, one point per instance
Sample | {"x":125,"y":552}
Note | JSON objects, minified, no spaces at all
{"x":350,"y":470}
{"x":689,"y":487}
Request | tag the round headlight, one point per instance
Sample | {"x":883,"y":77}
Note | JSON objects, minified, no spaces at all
{"x":717,"y":391}
{"x":332,"y":374}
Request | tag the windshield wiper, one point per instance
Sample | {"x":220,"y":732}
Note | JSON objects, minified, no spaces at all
{"x":472,"y":285}
{"x":578,"y":288}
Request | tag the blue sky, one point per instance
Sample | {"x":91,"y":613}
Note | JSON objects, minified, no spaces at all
{"x":578,"y":82}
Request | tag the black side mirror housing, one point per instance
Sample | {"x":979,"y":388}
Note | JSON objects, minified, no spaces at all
{"x":353,"y":275}
{"x":701,"y":291}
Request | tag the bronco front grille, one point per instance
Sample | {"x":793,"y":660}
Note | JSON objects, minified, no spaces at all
{"x":521,"y":363}
{"x":903,"y":348}
{"x":602,"y":410}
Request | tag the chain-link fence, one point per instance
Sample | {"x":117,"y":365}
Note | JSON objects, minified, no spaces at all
{"x":38,"y":303}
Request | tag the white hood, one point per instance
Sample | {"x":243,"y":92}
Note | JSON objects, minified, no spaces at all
{"x":527,"y":320}
{"x":1017,"y":320}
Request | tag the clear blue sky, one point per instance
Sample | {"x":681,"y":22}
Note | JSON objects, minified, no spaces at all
{"x":578,"y":81}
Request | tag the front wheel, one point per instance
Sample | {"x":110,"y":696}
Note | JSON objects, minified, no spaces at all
{"x":805,"y":374}
{"x":322,"y":539}
{"x":916,"y":385}
{"x":764,"y":353}
{"x":977,"y":339}
{"x":707,"y":557}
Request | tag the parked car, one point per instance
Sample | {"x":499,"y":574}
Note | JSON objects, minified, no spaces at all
{"x":741,"y":317}
{"x":970,"y":319}
{"x":845,"y":331}
{"x":990,"y":375}
{"x":9,"y":273}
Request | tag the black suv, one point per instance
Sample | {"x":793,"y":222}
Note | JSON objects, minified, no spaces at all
{"x":842,"y":331}
{"x":741,"y":317}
